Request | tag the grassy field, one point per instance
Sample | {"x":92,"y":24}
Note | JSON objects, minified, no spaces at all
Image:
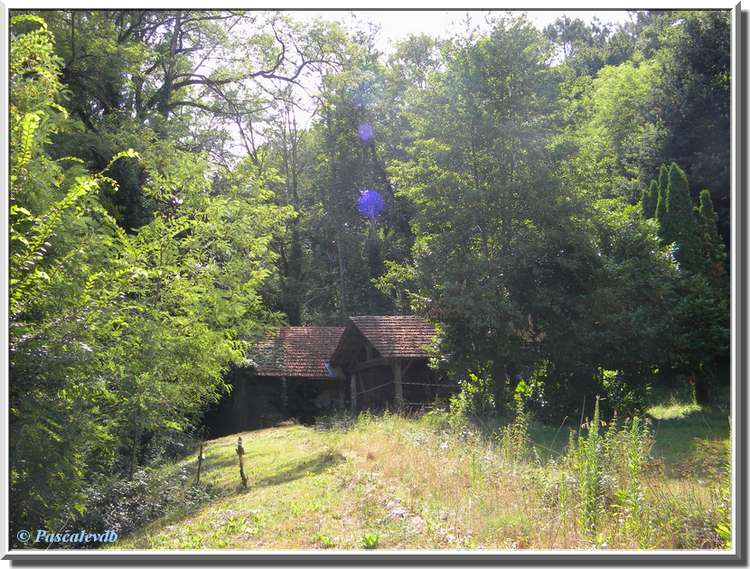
{"x":392,"y":482}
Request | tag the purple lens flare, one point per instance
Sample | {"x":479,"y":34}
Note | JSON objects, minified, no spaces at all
{"x":370,"y":204}
{"x":366,"y":132}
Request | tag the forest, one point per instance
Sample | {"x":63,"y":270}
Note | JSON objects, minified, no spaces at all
{"x":556,"y":201}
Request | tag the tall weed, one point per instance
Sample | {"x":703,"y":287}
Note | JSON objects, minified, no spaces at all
{"x":588,"y":466}
{"x":514,"y":440}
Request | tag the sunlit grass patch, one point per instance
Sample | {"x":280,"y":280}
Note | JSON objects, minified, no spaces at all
{"x":440,"y":481}
{"x":674,"y":410}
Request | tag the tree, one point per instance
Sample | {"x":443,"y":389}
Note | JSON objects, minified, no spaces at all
{"x":701,"y":292}
{"x":116,"y":336}
{"x":582,"y":46}
{"x":700,"y":334}
{"x":678,"y":224}
{"x":340,"y":155}
{"x":139,"y":77}
{"x":650,"y":199}
{"x":615,"y":128}
{"x":714,"y":251}
{"x":479,"y":177}
{"x":693,"y":98}
{"x":661,"y":200}
{"x":663,"y":179}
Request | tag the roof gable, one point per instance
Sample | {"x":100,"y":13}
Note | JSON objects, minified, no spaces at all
{"x":296,"y":351}
{"x":396,"y":336}
{"x":306,"y":351}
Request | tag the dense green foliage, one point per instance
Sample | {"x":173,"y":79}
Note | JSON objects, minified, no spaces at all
{"x":677,"y":222}
{"x":116,"y":336}
{"x":556,"y":202}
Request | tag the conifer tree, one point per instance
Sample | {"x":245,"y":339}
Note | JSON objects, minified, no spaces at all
{"x":678,"y":223}
{"x":661,"y":194}
{"x":714,"y":253}
{"x":649,"y":200}
{"x":663,"y":177}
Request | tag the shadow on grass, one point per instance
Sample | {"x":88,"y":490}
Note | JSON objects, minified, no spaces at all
{"x":315,"y":465}
{"x":312,"y":466}
{"x":220,"y":462}
{"x":693,"y":441}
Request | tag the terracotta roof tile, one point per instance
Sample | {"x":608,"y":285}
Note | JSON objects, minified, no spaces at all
{"x":396,"y":336}
{"x":296,"y":351}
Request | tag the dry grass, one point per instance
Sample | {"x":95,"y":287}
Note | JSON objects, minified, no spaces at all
{"x":436,"y":482}
{"x":466,"y":485}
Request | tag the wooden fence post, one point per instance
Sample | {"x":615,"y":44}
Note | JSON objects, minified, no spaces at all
{"x":240,"y":452}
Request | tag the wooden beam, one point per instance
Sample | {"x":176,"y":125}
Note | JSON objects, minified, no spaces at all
{"x":353,"y":388}
{"x":284,"y":393}
{"x":426,"y":384}
{"x":372,"y":363}
{"x":397,"y":385}
{"x":375,"y":388}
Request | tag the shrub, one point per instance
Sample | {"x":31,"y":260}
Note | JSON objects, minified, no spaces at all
{"x":370,"y":541}
{"x":625,"y":395}
{"x":125,"y":505}
{"x":169,"y":445}
{"x":514,"y":440}
{"x":325,"y":541}
{"x":475,"y":397}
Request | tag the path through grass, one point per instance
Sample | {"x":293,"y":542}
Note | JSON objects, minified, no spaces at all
{"x":402,"y":483}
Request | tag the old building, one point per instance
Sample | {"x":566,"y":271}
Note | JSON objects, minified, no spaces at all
{"x":286,"y":377}
{"x":300,"y":372}
{"x":298,"y":357}
{"x":384,"y":360}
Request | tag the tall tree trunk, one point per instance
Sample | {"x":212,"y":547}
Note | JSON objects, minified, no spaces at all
{"x":169,"y":68}
{"x":293,"y":278}
{"x":333,"y":211}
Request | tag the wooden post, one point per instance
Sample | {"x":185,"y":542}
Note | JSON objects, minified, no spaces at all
{"x":200,"y":463}
{"x":284,"y":395}
{"x":354,"y":392}
{"x":398,"y":387}
{"x":240,"y":452}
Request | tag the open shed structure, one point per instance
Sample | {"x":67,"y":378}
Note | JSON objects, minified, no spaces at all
{"x":384,"y":360}
{"x":299,"y":372}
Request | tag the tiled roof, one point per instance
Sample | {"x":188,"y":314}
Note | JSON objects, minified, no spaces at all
{"x":396,"y":336}
{"x":296,"y":351}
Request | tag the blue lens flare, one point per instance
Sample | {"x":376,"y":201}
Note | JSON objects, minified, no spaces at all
{"x":365,"y":132}
{"x":370,"y":204}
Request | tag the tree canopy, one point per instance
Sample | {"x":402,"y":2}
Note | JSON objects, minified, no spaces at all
{"x":181,"y":181}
